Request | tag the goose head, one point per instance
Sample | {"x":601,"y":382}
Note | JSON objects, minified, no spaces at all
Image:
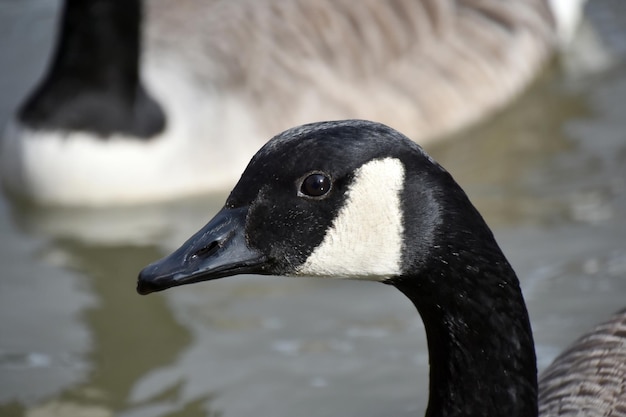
{"x":322,"y":199}
{"x":358,"y":200}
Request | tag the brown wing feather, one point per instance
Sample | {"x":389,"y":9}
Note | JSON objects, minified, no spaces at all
{"x":426,"y":67}
{"x":589,"y":378}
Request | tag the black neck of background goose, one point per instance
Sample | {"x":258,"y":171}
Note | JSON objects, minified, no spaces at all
{"x":93,"y":83}
{"x":481,"y":349}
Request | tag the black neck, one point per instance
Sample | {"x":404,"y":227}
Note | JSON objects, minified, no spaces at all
{"x":482,"y":357}
{"x":93,"y":83}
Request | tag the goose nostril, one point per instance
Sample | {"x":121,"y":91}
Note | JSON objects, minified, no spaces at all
{"x":207,"y":250}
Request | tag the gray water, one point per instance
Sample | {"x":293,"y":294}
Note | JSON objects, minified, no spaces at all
{"x":548,"y":173}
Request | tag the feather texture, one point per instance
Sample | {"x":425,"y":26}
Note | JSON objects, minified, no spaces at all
{"x":589,"y":378}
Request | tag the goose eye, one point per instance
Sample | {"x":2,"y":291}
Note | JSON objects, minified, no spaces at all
{"x":315,"y":185}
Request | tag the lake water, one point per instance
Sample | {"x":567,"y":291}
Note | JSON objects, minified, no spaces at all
{"x":548,"y":173}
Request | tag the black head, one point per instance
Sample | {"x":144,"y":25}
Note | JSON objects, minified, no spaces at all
{"x":348,"y":199}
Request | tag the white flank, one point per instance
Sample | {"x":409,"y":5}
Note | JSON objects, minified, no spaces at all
{"x":78,"y":169}
{"x":365,"y":239}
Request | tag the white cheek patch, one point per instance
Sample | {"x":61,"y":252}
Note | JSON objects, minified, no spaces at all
{"x":365,"y":239}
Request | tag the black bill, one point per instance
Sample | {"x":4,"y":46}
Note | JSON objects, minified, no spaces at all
{"x":218,"y":250}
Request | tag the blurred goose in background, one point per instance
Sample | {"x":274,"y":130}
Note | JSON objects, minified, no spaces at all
{"x":589,"y":377}
{"x":130,"y":112}
{"x":358,"y":200}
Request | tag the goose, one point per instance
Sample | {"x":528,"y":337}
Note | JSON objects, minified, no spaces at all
{"x":358,"y":200}
{"x":589,"y":377}
{"x":133,"y":112}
